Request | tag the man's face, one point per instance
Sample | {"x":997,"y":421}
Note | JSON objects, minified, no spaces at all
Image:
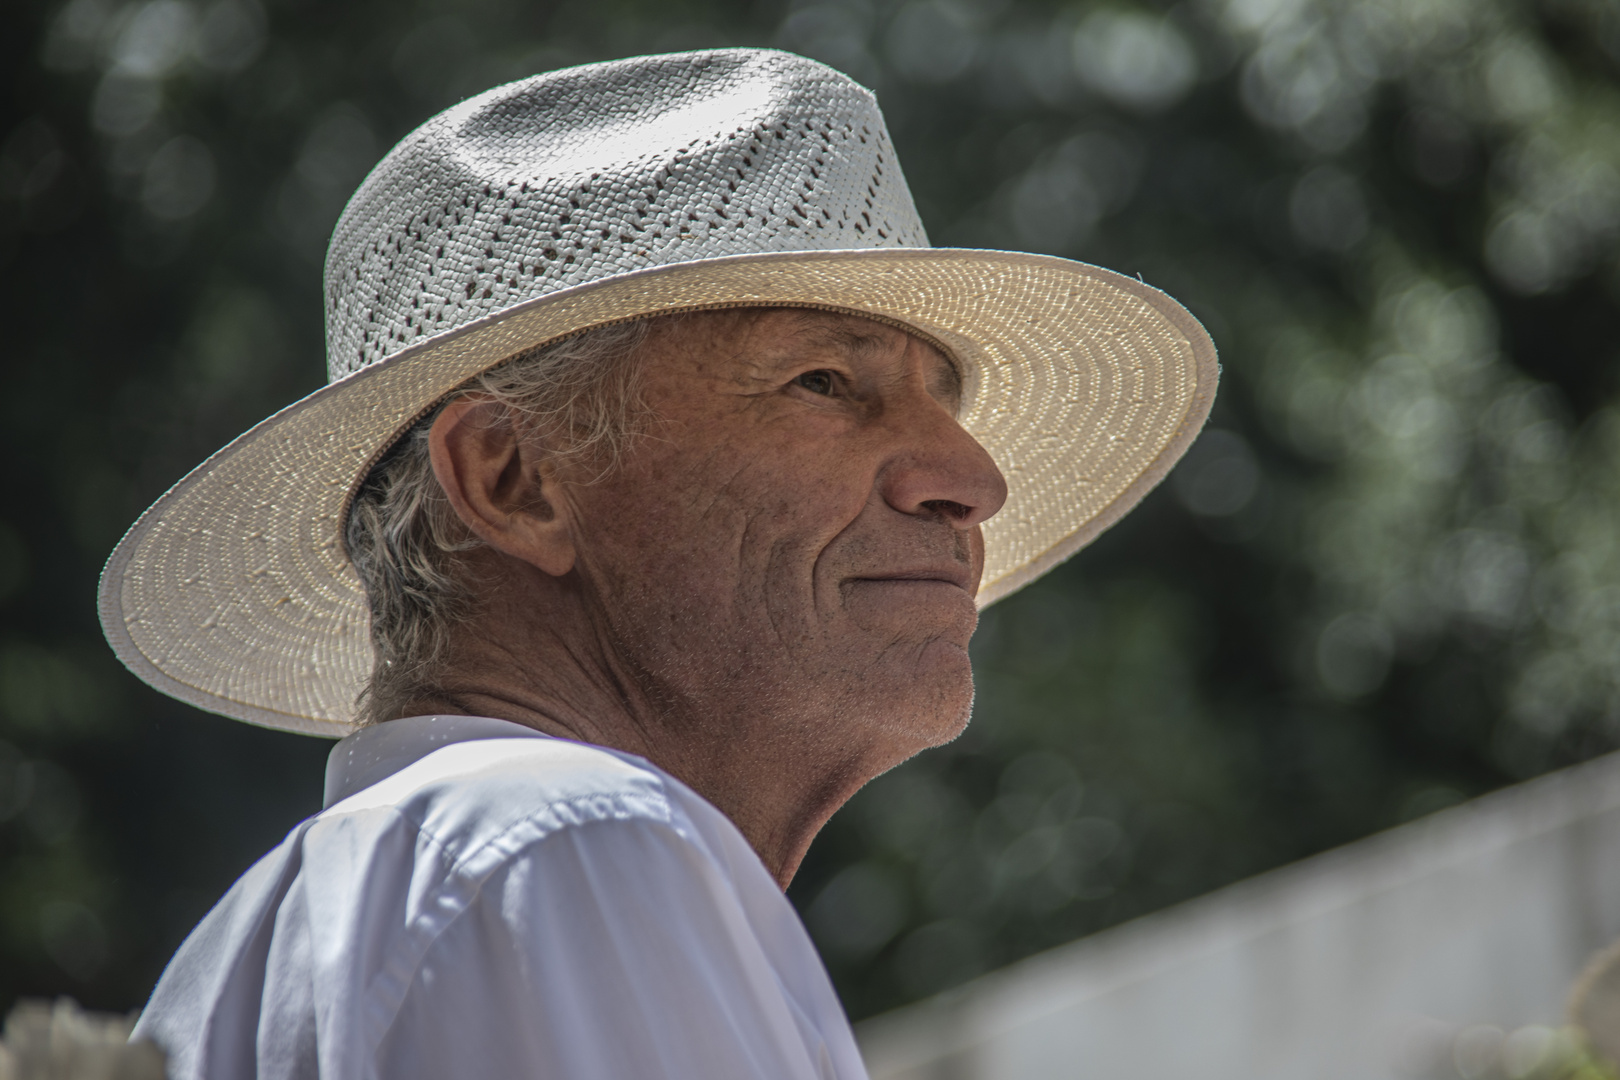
{"x":797,"y":536}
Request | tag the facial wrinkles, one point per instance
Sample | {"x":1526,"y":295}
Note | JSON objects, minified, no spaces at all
{"x":657,"y":613}
{"x":760,"y":558}
{"x":780,"y":626}
{"x":764,"y":560}
{"x":889,"y":385}
{"x":787,"y":535}
{"x":828,"y":584}
{"x":778,"y":553}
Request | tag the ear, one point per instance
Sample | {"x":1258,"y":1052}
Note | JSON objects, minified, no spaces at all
{"x":503,"y":487}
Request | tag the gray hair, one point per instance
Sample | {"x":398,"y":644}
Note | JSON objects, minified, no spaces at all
{"x":403,"y":536}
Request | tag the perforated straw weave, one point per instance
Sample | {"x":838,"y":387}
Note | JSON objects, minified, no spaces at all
{"x":614,"y":191}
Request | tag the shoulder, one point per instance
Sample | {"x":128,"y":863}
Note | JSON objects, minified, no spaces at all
{"x":516,"y":790}
{"x":543,"y":816}
{"x":480,"y":849}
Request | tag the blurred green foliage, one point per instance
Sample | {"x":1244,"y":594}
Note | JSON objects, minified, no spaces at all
{"x":1386,"y":579}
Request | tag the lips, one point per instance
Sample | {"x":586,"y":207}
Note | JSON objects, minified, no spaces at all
{"x":946,"y":574}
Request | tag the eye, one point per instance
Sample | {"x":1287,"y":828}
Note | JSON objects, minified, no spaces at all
{"x":817,"y":382}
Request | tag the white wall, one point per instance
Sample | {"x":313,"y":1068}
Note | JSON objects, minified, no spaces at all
{"x":1482,"y":914}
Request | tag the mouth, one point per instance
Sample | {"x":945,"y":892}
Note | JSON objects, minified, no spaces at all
{"x":954,"y":575}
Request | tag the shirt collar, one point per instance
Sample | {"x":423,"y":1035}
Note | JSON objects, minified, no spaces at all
{"x":375,"y":753}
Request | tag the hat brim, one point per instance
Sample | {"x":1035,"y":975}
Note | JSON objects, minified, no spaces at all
{"x":233,"y":593}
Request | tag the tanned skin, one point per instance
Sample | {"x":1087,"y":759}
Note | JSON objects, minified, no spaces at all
{"x":769,"y":596}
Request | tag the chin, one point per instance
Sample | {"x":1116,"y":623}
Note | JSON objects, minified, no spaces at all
{"x":929,"y":704}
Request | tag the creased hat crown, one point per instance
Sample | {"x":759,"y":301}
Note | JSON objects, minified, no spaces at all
{"x":579,"y":175}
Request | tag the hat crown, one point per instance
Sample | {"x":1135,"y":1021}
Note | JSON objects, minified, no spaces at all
{"x":582,"y":174}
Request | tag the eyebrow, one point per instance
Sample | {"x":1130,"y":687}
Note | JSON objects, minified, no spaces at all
{"x":859,"y":343}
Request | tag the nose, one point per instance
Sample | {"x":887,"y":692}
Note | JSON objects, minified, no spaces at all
{"x":937,"y":468}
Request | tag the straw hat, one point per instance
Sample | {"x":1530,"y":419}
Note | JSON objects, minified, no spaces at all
{"x":603,"y":193}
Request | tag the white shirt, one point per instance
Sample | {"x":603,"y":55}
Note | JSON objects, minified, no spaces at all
{"x":480,"y":900}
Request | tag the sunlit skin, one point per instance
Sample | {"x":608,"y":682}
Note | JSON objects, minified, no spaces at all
{"x":770,"y":596}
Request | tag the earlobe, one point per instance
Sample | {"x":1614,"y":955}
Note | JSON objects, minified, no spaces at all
{"x":503,"y":487}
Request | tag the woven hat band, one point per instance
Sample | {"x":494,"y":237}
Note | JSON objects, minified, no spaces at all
{"x":576,"y":176}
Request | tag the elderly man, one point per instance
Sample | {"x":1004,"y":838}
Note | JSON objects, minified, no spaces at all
{"x":662,"y":459}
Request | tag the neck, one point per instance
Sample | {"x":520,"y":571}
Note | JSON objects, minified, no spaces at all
{"x":777,"y":775}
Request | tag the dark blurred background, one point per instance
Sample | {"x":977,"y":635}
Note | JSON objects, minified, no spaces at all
{"x":1386,"y":579}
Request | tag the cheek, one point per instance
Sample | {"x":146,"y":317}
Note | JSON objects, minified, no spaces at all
{"x":925,"y":699}
{"x":725,"y":514}
{"x":766,"y":492}
{"x":724,"y":524}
